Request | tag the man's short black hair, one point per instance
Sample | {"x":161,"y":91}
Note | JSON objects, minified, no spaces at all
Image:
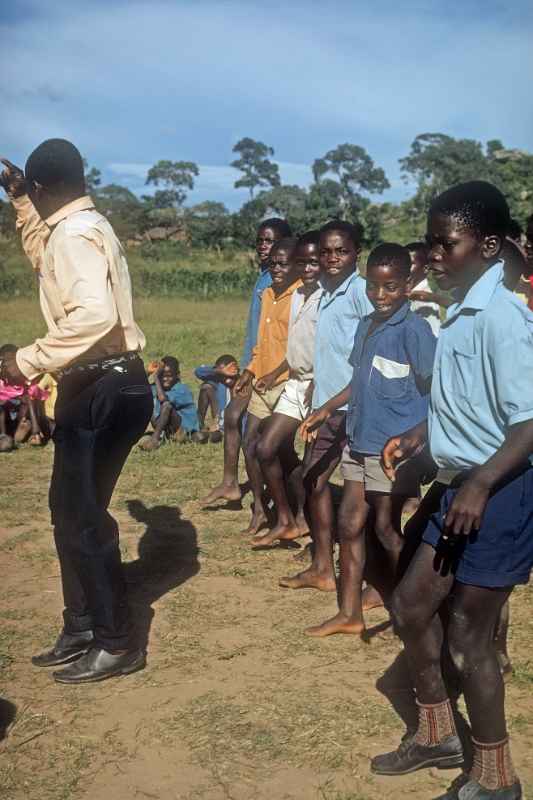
{"x":280,"y":226}
{"x":8,"y":348}
{"x":477,"y":205}
{"x":224,"y":360}
{"x":391,"y":255}
{"x":310,"y":237}
{"x":55,"y":163}
{"x":418,"y":247}
{"x":354,"y":231}
{"x":172,"y":363}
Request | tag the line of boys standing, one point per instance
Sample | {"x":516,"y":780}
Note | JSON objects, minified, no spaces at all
{"x":377,"y":402}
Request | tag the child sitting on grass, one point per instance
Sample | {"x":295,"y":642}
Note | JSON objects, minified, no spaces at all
{"x":215,"y":392}
{"x":20,"y":412}
{"x":175,"y":416}
{"x":392,"y":362}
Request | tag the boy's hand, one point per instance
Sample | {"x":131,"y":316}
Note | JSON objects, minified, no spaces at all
{"x":265,"y":383}
{"x":10,"y":372}
{"x":12,"y":179}
{"x":309,"y":427}
{"x":400,"y":448}
{"x":467,"y":507}
{"x":425,"y":297}
{"x":244,"y":383}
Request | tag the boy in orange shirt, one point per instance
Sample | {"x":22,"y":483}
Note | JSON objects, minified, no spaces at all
{"x":267,"y":371}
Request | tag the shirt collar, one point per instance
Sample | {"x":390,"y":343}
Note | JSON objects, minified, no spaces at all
{"x":342,"y":288}
{"x":289,"y":290}
{"x":81,"y":204}
{"x":479,"y":295}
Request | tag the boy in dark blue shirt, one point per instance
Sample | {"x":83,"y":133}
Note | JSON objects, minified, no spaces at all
{"x":392,"y":361}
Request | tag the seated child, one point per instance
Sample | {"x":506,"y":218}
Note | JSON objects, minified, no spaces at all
{"x":175,"y":414}
{"x":266,"y":374}
{"x":215,"y":392}
{"x":419,"y":286}
{"x":392,"y":360}
{"x":276,"y":446}
{"x":20,"y":412}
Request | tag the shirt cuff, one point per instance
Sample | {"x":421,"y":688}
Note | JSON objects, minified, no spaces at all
{"x":520,"y":416}
{"x":23,"y":358}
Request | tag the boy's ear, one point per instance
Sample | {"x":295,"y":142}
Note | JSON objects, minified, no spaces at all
{"x":491,"y":246}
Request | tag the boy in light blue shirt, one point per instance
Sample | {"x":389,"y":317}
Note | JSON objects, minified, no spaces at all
{"x":342,"y":306}
{"x":472,"y":536}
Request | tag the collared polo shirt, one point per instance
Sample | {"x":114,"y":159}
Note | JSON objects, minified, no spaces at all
{"x":263,"y":282}
{"x":483,"y":376}
{"x":180,"y":396}
{"x":273,"y":331}
{"x":302,"y":329}
{"x":390,"y":365}
{"x":339,"y":314}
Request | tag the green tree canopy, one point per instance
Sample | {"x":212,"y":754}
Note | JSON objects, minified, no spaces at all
{"x":355,"y":171}
{"x":176,"y":177}
{"x":255,"y":165}
{"x":93,"y":177}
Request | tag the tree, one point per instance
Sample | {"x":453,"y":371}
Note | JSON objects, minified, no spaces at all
{"x":254,"y":163}
{"x":208,"y":224}
{"x":122,"y":207}
{"x":176,"y":177}
{"x":288,"y":202}
{"x":355,"y":171}
{"x":93,"y":177}
{"x":437,"y":161}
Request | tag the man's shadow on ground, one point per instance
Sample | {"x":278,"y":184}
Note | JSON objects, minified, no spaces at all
{"x":168,"y":556}
{"x":8,"y":712}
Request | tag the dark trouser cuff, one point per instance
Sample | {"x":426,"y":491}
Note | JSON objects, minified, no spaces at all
{"x":76,"y":623}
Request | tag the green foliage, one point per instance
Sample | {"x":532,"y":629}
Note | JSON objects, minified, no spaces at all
{"x":255,"y":164}
{"x":123,"y":209}
{"x":208,"y":224}
{"x":192,"y":283}
{"x":93,"y":177}
{"x":176,"y":177}
{"x":355,"y":171}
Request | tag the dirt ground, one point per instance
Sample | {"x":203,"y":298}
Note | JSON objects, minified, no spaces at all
{"x":236,"y":702}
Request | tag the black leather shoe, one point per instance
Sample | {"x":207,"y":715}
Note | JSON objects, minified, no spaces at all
{"x":474,"y":791}
{"x":98,"y":664}
{"x":411,"y":756}
{"x":67,"y":647}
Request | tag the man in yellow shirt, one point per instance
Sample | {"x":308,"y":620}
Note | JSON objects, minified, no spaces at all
{"x":268,"y":369}
{"x":103,"y":400}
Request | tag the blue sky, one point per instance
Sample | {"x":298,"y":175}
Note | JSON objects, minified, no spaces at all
{"x":134,"y":82}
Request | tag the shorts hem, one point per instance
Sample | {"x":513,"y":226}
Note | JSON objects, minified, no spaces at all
{"x":487,"y":579}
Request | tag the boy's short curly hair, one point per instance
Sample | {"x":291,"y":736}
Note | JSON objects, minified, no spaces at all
{"x":310,"y":237}
{"x":280,"y":226}
{"x":354,"y":231}
{"x":477,"y":205}
{"x":390,"y":254}
{"x":55,"y":162}
{"x":172,"y":363}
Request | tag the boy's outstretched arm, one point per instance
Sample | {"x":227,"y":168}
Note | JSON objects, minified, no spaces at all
{"x":468,"y":506}
{"x":309,"y":427}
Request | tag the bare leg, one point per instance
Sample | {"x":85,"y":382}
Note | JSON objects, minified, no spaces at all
{"x":277,"y":429}
{"x":473,"y":617}
{"x":500,"y":640}
{"x":321,"y":574}
{"x":229,"y":488}
{"x":353,"y":514}
{"x":207,"y":399}
{"x":387,"y":527}
{"x":254,"y":427}
{"x":168,"y":419}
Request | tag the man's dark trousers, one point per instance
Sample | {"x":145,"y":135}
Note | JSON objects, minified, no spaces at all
{"x":100,"y":414}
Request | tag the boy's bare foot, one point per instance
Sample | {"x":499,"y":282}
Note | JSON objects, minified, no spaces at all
{"x":338,"y":624}
{"x":256,"y":523}
{"x":309,"y":579}
{"x":149,"y":443}
{"x":303,"y":525}
{"x":23,"y":431}
{"x":278,"y":532}
{"x":371,"y":598}
{"x":37,"y":440}
{"x":224,"y":491}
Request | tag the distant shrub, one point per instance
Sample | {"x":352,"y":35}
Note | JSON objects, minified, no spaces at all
{"x":194,"y":283}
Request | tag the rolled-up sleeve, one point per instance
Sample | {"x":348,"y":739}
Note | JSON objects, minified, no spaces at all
{"x":82,"y":277}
